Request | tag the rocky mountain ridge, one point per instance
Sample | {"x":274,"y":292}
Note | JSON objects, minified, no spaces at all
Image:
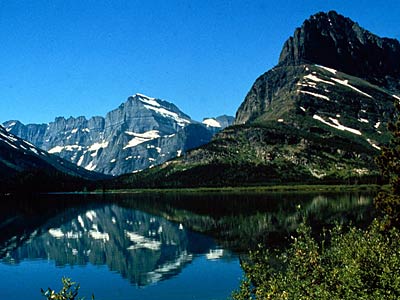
{"x":140,"y":133}
{"x":334,"y":41}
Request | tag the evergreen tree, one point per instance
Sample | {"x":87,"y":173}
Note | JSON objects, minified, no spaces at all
{"x":389,"y":162}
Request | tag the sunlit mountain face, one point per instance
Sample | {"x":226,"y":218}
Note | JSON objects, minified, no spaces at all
{"x":141,"y":133}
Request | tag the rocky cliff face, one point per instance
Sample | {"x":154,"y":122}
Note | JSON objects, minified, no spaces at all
{"x":287,"y":93}
{"x":320,"y":115}
{"x":140,"y":133}
{"x":334,"y":41}
{"x":332,"y":66}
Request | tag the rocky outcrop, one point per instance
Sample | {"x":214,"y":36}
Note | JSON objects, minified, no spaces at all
{"x":334,"y":41}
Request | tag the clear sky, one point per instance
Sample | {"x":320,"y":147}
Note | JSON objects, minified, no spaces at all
{"x":80,"y":57}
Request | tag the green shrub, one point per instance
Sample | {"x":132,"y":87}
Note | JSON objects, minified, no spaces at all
{"x":69,"y":291}
{"x":389,"y":163}
{"x":357,"y":264}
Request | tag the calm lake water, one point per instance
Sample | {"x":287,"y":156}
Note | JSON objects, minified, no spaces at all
{"x":155,"y":245}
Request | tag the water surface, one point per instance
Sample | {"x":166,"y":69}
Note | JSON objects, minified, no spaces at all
{"x":155,"y":245}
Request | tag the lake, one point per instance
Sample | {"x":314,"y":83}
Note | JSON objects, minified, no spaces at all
{"x":153,"y":245}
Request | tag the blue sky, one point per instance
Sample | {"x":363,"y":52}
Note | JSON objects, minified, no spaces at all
{"x":80,"y":57}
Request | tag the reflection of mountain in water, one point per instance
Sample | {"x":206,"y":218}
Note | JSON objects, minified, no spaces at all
{"x":141,"y":247}
{"x":150,"y":237}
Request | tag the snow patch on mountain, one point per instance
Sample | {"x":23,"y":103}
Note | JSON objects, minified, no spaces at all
{"x":18,"y":144}
{"x":333,"y":71}
{"x":10,"y":126}
{"x":211,"y":123}
{"x":317,"y":79}
{"x":336,"y":124}
{"x":91,"y":166}
{"x":148,"y":100}
{"x":346,"y":83}
{"x":59,"y":149}
{"x":140,"y":138}
{"x":373,"y":144}
{"x":315,"y":95}
{"x":97,"y":146}
{"x":169,"y":114}
{"x":80,"y":161}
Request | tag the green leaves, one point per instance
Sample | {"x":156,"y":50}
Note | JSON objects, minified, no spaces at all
{"x":389,"y":163}
{"x":357,"y":264}
{"x":69,"y":291}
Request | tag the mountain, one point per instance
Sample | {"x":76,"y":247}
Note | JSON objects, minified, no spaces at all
{"x":320,"y":115}
{"x":140,"y":133}
{"x":335,"y":41}
{"x":22,"y":165}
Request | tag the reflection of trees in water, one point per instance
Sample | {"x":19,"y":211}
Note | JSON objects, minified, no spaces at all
{"x":241,"y":220}
{"x":141,"y":236}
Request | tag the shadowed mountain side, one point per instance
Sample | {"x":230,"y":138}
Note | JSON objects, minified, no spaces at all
{"x":25,"y":168}
{"x":334,"y":41}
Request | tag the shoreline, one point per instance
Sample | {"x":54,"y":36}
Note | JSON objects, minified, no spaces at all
{"x":245,"y":189}
{"x":297,"y":188}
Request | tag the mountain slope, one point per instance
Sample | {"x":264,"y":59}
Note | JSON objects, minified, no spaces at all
{"x":140,"y":133}
{"x":22,"y":166}
{"x":302,"y":121}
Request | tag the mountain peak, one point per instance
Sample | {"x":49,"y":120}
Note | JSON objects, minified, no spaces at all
{"x":142,"y":132}
{"x":335,"y":41}
{"x":143,"y":96}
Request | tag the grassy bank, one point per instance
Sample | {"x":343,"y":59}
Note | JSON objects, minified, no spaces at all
{"x":256,"y":189}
